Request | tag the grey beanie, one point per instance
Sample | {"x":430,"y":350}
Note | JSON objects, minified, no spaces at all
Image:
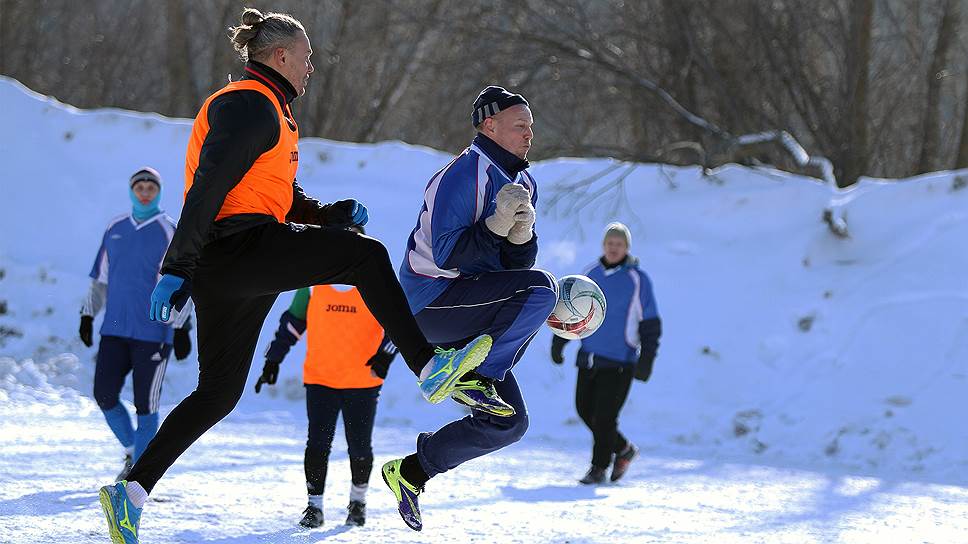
{"x":618,"y":229}
{"x":146,"y":174}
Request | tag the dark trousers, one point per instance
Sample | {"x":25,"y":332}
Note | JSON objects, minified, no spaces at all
{"x":236,"y":281}
{"x":323,"y":405}
{"x":475,"y":435}
{"x":146,"y":361}
{"x":599,"y":397}
{"x":510,"y":305}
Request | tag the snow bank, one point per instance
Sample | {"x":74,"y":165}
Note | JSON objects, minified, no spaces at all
{"x":783,"y":344}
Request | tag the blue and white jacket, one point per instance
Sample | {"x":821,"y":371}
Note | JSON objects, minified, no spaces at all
{"x":632,"y":320}
{"x":125,"y":272}
{"x":450,"y":240}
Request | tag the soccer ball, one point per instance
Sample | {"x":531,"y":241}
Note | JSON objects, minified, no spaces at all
{"x":580,"y":309}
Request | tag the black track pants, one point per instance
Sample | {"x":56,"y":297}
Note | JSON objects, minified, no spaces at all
{"x":323,"y":406}
{"x":599,"y":397}
{"x":235,"y":284}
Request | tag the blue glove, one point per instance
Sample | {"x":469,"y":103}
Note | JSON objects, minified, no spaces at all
{"x":344,"y":213}
{"x":360,"y":215}
{"x":171,"y":292}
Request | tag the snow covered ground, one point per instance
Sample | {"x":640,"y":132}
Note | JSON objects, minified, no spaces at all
{"x":808,"y":388}
{"x":243,"y":483}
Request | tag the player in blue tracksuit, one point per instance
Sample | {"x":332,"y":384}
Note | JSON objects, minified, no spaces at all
{"x":467,"y":271}
{"x":124,"y":274}
{"x":622,"y":348}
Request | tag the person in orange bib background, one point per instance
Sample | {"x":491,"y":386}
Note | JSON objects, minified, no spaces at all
{"x":347,"y":358}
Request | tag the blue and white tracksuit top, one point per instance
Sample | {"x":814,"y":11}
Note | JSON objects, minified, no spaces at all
{"x":628,"y":295}
{"x":128,"y":262}
{"x":450,"y":239}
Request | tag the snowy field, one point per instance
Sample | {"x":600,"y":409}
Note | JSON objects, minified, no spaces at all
{"x":807,"y":389}
{"x":243,"y":483}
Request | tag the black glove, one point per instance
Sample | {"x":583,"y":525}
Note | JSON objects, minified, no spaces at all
{"x":380,"y":363}
{"x":270,"y":373}
{"x":558,"y":349}
{"x":87,"y":330}
{"x":183,"y":344}
{"x":643,"y":369}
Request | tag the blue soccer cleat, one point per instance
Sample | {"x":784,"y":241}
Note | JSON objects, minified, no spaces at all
{"x":405,"y":493}
{"x":448,"y":365}
{"x":122,"y":515}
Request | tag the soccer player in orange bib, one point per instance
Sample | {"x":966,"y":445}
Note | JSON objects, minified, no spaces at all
{"x":347,"y":358}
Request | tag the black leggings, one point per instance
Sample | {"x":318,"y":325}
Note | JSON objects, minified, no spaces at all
{"x":599,"y":397}
{"x":323,"y":405}
{"x":236,"y":281}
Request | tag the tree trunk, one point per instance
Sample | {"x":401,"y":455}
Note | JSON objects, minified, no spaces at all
{"x":854,"y":158}
{"x":7,"y":42}
{"x":180,"y":99}
{"x":930,"y":158}
{"x":321,"y":116}
{"x":962,"y":160}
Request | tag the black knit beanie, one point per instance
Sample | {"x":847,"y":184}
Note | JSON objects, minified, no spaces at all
{"x":492,"y":100}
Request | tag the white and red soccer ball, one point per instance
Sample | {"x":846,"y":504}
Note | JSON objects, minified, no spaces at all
{"x":580,"y":309}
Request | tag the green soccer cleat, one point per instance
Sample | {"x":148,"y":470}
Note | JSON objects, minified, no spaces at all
{"x":448,"y":365}
{"x":405,"y":494}
{"x":122,"y":515}
{"x":478,"y":393}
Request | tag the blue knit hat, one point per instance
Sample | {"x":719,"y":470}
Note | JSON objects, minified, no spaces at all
{"x":492,"y":100}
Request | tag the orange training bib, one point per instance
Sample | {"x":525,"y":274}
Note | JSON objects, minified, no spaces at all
{"x":267,"y":186}
{"x":342,"y":335}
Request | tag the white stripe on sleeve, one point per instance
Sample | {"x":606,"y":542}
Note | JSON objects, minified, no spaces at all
{"x":635,"y":312}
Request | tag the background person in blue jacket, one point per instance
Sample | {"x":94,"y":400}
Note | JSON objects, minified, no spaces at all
{"x":123,"y":276}
{"x":467,"y":271}
{"x":622,"y":348}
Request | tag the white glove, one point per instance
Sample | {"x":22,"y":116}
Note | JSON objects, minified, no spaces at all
{"x":522,"y":231}
{"x":509,"y":200}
